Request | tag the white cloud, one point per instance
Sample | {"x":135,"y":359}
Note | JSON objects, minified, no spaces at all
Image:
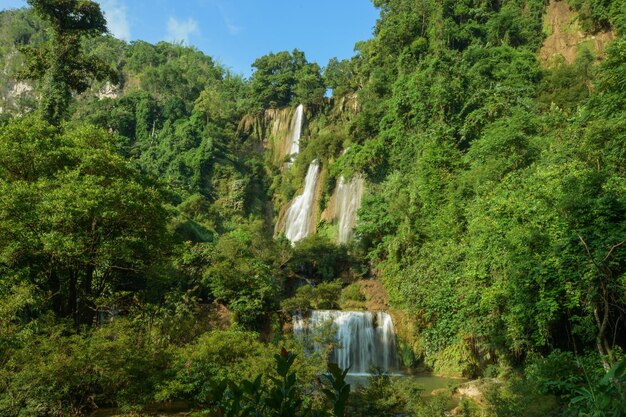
{"x":115,"y":13}
{"x":233,"y":29}
{"x":179,"y":31}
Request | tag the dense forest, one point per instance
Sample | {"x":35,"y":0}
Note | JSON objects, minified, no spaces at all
{"x":146,"y":193}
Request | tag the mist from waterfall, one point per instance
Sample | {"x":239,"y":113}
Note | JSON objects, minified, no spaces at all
{"x":348,"y":202}
{"x":364,"y":339}
{"x":298,"y":223}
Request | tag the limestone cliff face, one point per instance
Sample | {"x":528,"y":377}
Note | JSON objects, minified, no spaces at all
{"x":108,"y":90}
{"x":343,"y":206}
{"x":565,"y":37}
{"x":273,"y":129}
{"x":280,"y":131}
{"x":17,"y":98}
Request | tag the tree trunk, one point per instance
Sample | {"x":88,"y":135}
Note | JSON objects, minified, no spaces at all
{"x":602,"y":343}
{"x":73,"y":297}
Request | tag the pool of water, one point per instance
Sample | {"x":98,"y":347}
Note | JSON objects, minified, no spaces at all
{"x":425,"y":382}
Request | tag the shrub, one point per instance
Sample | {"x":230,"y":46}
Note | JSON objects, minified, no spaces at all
{"x":560,"y":373}
{"x":58,"y":372}
{"x":283,"y":396}
{"x":322,"y":296}
{"x":213,"y":358}
{"x":352,"y":297}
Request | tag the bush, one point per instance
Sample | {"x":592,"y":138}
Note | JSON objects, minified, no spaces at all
{"x":352,"y":298}
{"x":604,"y":397}
{"x":318,"y":258}
{"x":320,"y":297}
{"x":517,"y":398}
{"x":379,"y":397}
{"x":213,"y":358}
{"x":283,"y":396}
{"x":58,"y":372}
{"x":560,"y":373}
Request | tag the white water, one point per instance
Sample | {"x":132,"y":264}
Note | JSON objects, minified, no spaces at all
{"x":364,"y":339}
{"x":348,"y":203}
{"x":300,"y":213}
{"x":296,"y":133}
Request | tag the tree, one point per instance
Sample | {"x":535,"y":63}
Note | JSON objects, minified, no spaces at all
{"x":62,"y":66}
{"x":76,"y":220}
{"x":340,"y":76}
{"x":286,"y":78}
{"x":241,"y":274}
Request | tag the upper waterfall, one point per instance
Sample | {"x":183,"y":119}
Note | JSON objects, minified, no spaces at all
{"x":300,"y":213}
{"x":348,"y":202}
{"x":296,"y":132}
{"x":364,"y":339}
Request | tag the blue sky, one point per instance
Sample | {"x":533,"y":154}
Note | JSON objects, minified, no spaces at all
{"x":236,"y":32}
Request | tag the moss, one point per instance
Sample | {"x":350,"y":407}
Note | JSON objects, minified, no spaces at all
{"x":410,"y":348}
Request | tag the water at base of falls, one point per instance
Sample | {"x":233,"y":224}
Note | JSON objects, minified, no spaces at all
{"x":364,"y":339}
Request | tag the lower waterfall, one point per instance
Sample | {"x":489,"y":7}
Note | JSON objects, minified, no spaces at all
{"x":364,"y":339}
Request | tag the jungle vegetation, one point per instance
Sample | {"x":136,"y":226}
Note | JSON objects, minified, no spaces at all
{"x":138,"y":263}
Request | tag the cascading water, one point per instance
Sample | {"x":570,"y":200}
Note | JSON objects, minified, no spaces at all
{"x":348,"y":203}
{"x":296,"y":133}
{"x":300,"y":213}
{"x":364,"y":339}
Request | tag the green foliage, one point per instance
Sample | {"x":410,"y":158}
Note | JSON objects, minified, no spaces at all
{"x":337,"y":391}
{"x":561,"y":373}
{"x":352,"y":297}
{"x":81,"y":223}
{"x":211,"y":359}
{"x":606,"y":397}
{"x":323,"y":296}
{"x":488,"y":212}
{"x":285,"y":78}
{"x":62,"y":66}
{"x":282,"y":397}
{"x":597,"y":15}
{"x":340,"y":76}
{"x":517,"y":398}
{"x":318,"y":258}
{"x":56,"y":371}
{"x":568,"y":85}
{"x":494,"y":214}
{"x":379,"y":397}
{"x":241,"y":274}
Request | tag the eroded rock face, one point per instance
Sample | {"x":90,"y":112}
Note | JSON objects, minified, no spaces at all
{"x":475,"y":390}
{"x":16,"y":98}
{"x":20,"y":88}
{"x":566,"y":38}
{"x":108,"y":91}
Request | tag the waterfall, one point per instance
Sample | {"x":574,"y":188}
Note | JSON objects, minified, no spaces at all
{"x":364,"y":339}
{"x":296,"y":132}
{"x":300,"y":213}
{"x":348,"y":203}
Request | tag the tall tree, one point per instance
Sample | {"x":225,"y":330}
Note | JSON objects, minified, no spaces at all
{"x":61,"y":65}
